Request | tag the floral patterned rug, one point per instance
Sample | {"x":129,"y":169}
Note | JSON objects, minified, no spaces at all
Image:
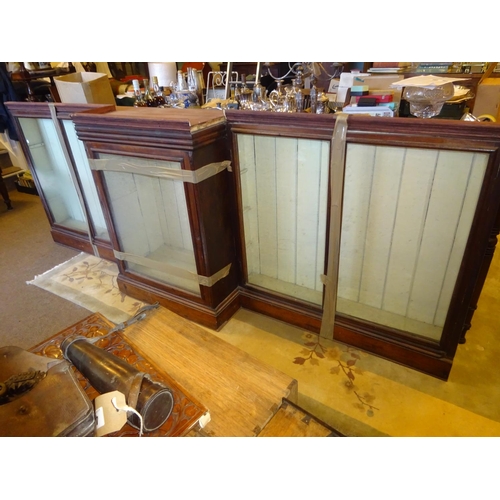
{"x":90,"y":282}
{"x":357,"y":393}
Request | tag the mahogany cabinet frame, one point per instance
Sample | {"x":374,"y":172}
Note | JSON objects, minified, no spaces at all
{"x":426,"y":355}
{"x":194,"y":139}
{"x":71,"y":237}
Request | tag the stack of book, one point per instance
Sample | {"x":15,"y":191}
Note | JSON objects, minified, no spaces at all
{"x":434,"y":67}
{"x":390,"y":67}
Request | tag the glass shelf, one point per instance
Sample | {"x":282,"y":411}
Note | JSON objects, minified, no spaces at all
{"x":53,"y":173}
{"x":151,"y":223}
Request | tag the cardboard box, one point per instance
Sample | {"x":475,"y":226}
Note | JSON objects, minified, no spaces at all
{"x":86,"y":87}
{"x":488,"y":98}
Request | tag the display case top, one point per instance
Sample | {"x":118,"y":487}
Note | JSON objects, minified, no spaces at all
{"x":398,"y":130}
{"x":158,"y":127}
{"x":179,"y":119}
{"x":63,"y":110}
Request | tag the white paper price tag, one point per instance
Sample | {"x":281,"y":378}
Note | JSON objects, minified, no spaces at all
{"x":109,"y":419}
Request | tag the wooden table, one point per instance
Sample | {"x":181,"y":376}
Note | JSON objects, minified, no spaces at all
{"x":241,"y":393}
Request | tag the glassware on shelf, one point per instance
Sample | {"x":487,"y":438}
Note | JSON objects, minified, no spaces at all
{"x":299,"y":77}
{"x":157,"y":93}
{"x":245,"y":93}
{"x":148,"y":97}
{"x":284,"y":98}
{"x":182,"y":96}
{"x":236,"y":94}
{"x":277,"y":96}
{"x":259,"y":93}
{"x":194,"y":83}
{"x":181,"y":82}
{"x":259,"y":103}
{"x":313,"y":94}
{"x":297,"y":96}
{"x":139,"y":99}
{"x":427,"y":102}
{"x":322,"y":104}
{"x":191,"y":79}
{"x":288,"y":104}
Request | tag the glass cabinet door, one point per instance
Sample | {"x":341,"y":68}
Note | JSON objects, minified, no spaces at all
{"x":407,"y":215}
{"x":86,"y":181}
{"x":284,"y":190}
{"x":150,"y":219}
{"x":406,"y":218}
{"x":53,"y":173}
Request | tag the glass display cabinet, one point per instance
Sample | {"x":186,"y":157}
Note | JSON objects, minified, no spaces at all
{"x":419,"y":218}
{"x":62,"y":175}
{"x":209,"y":211}
{"x":162,"y":177}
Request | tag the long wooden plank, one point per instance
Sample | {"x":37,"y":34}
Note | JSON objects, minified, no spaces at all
{"x":241,"y":393}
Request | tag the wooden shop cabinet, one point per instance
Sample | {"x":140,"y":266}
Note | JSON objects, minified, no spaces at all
{"x":63,"y":179}
{"x":163,"y":181}
{"x":419,"y":205}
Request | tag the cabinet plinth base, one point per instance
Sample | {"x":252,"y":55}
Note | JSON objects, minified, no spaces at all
{"x":424,"y":356}
{"x":212,"y":318}
{"x":82,"y":243}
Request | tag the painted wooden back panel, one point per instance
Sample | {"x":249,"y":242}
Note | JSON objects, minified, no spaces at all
{"x":151,"y":219}
{"x":407,"y":215}
{"x":284,"y":199}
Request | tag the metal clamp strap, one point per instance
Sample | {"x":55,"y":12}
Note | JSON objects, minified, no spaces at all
{"x":129,"y":166}
{"x":174,"y":270}
{"x":337,"y":172}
